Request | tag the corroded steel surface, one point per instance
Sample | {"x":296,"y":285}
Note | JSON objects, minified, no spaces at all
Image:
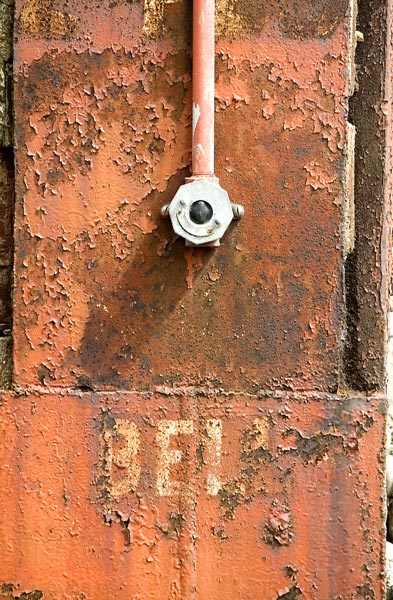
{"x":184,"y":496}
{"x":6,"y":216}
{"x":181,"y":489}
{"x":369,"y":268}
{"x":106,"y":296}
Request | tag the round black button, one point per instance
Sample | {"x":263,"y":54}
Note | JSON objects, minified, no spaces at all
{"x":200,"y":212}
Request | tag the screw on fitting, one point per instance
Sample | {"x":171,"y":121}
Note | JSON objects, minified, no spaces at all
{"x":164,"y":210}
{"x":201,"y":212}
{"x":238,"y":211}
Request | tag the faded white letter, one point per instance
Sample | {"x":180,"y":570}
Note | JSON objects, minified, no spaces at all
{"x":167,"y":457}
{"x":123,"y":444}
{"x":213,"y":448}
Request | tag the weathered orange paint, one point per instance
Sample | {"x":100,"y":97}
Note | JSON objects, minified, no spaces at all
{"x":295,"y":516}
{"x":105,"y":293}
{"x":176,"y":428}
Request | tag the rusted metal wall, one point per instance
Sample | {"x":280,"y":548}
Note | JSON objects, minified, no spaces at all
{"x":6,"y":190}
{"x":178,"y":426}
{"x":266,"y":503}
{"x":106,"y":294}
{"x":368,"y":268}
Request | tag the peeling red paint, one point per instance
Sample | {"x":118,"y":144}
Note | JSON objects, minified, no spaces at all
{"x":194,"y":258}
{"x":175,"y":430}
{"x":282,"y":516}
{"x":103,"y":284}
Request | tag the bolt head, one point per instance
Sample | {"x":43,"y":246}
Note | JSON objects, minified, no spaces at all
{"x":200,"y":212}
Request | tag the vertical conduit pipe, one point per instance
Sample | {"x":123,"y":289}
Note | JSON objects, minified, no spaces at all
{"x":201,"y":210}
{"x":203,"y":89}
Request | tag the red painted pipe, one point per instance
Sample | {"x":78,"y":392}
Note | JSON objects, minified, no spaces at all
{"x":203,"y":89}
